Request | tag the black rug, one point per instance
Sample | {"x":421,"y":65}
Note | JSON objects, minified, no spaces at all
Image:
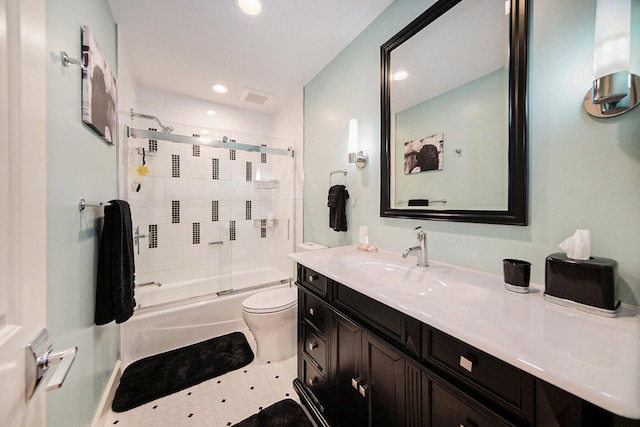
{"x":166,"y":373}
{"x":286,"y":413}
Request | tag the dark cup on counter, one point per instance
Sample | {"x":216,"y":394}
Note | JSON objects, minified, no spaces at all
{"x":516,"y":275}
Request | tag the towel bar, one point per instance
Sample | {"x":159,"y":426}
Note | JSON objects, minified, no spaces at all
{"x":83,"y":204}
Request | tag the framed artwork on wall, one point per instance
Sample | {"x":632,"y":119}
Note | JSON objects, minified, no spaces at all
{"x":423,"y":154}
{"x":99,"y":89}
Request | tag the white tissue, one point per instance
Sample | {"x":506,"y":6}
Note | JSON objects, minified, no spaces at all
{"x":577,"y":246}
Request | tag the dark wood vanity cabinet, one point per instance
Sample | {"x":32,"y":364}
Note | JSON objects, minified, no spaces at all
{"x":362,"y":363}
{"x":368,"y":378}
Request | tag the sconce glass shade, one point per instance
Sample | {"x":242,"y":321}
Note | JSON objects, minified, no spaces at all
{"x":611,"y":48}
{"x":356,"y":156}
{"x":615,"y":90}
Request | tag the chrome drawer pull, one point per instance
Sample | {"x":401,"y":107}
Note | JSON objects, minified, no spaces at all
{"x":467,"y":362}
{"x":312,"y":278}
{"x":313,"y":345}
{"x":355,"y":382}
{"x":312,"y":311}
{"x":362,"y":389}
{"x":312,"y":381}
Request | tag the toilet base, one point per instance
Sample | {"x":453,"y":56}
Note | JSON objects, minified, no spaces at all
{"x":276,"y":347}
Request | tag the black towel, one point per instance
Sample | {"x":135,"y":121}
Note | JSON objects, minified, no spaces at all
{"x":114,"y":290}
{"x":337,"y":203}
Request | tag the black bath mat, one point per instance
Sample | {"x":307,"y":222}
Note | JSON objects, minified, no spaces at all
{"x":285,"y":413}
{"x":166,"y":373}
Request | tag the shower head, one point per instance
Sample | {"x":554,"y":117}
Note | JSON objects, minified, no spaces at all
{"x":165,"y":129}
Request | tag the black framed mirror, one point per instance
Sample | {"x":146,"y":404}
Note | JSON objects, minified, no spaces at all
{"x":454,"y":136}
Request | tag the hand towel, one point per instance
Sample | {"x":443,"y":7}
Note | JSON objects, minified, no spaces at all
{"x":337,"y":203}
{"x":116,"y":270}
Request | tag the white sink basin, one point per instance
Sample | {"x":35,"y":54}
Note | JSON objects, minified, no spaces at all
{"x":395,"y":273}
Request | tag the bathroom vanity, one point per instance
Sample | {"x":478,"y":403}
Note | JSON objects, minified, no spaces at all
{"x":383,"y":342}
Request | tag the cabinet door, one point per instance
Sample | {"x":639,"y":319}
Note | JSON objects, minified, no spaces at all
{"x":384,"y":378}
{"x":350,"y":405}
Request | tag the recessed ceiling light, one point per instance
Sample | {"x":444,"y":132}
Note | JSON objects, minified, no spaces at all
{"x":219,"y":88}
{"x":250,"y":7}
{"x":400,"y":75}
{"x":211,"y":112}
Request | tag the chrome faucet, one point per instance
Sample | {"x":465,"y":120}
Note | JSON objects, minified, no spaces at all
{"x":421,"y":248}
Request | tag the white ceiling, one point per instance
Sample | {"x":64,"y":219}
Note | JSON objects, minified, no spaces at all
{"x":184,"y":46}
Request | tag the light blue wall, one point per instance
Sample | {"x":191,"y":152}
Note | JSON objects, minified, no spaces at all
{"x":584,"y":173}
{"x":79,"y":164}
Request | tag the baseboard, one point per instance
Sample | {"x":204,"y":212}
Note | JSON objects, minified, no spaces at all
{"x":100,"y":418}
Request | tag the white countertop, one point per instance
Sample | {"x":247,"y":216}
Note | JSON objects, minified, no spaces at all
{"x":595,"y":358}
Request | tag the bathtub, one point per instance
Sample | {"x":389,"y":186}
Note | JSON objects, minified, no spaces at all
{"x":167,"y":325}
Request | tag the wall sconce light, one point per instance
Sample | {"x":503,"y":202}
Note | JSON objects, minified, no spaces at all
{"x":356,"y":156}
{"x":615,"y":89}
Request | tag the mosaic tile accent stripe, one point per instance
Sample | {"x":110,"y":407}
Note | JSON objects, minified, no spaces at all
{"x":263,"y":156}
{"x":248,"y":172}
{"x":247,"y":210}
{"x":232,"y":230}
{"x":153,"y":236}
{"x":263,"y":228}
{"x":175,"y":211}
{"x":153,"y":143}
{"x":215,"y":168}
{"x":196,"y":233}
{"x":215,"y":211}
{"x":196,"y":148}
{"x":175,"y":166}
{"x":232,"y":154}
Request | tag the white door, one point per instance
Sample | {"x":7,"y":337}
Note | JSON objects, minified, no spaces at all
{"x":22,"y":203}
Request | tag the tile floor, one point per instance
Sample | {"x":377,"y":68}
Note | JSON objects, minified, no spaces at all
{"x":221,"y":401}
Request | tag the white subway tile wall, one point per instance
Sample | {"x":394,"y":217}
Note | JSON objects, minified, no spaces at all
{"x":194,"y":195}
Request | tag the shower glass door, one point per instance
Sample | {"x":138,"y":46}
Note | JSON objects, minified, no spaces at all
{"x":257,"y":210}
{"x":213,"y":214}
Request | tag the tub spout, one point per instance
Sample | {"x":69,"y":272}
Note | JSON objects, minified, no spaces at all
{"x":158,"y":284}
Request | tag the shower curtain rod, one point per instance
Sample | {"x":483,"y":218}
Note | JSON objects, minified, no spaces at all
{"x":195,"y":140}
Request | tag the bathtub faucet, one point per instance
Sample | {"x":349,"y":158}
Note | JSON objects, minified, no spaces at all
{"x":158,"y":284}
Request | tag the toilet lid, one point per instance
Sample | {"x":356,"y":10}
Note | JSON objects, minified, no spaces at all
{"x":271,"y":301}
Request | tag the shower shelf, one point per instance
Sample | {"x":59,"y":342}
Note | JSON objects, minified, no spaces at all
{"x":268,"y":223}
{"x":266,"y":184}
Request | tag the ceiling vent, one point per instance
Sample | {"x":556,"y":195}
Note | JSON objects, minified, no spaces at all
{"x":255,"y":96}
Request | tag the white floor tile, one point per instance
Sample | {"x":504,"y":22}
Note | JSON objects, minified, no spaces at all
{"x":221,"y":401}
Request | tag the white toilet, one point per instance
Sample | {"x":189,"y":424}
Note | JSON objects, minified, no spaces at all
{"x":272,"y":318}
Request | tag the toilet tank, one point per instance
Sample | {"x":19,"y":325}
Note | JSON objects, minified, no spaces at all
{"x":309,"y":246}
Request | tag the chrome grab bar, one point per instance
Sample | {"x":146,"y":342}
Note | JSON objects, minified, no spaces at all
{"x":219,"y":242}
{"x":136,"y":238}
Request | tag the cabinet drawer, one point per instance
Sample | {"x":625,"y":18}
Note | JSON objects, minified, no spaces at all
{"x":314,"y":381}
{"x":312,"y":280}
{"x":314,"y":311}
{"x":503,"y":380}
{"x":315,"y":348}
{"x":374,"y":313}
{"x":449,"y":410}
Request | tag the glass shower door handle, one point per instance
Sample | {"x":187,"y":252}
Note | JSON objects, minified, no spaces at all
{"x":136,"y":238}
